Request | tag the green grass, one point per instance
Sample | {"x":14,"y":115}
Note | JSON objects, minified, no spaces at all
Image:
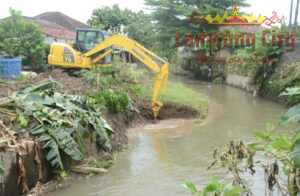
{"x":175,"y":91}
{"x":180,"y":93}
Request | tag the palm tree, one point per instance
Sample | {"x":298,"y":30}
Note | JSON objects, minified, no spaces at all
{"x":291,"y":13}
{"x":296,"y":13}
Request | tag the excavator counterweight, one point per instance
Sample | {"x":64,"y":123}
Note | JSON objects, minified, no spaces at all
{"x":94,"y":47}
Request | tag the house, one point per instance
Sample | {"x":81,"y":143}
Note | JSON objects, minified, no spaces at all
{"x":53,"y":32}
{"x":57,"y":27}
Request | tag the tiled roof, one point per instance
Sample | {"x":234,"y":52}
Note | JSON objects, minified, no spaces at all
{"x":52,"y":29}
{"x":62,"y":20}
{"x":59,"y":33}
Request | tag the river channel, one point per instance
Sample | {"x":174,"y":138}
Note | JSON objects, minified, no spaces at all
{"x":160,"y":157}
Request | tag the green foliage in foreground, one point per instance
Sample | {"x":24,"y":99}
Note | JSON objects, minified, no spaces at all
{"x":281,"y":162}
{"x":283,"y":152}
{"x":213,"y":188}
{"x":59,"y":121}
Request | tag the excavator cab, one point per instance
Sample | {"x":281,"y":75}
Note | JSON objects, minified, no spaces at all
{"x":86,"y":39}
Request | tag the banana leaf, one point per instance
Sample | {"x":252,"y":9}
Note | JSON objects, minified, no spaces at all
{"x":59,"y":121}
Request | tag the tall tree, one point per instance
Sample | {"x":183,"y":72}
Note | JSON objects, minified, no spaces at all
{"x":110,"y":18}
{"x":296,"y":13}
{"x":21,"y":38}
{"x":141,"y":28}
{"x":291,"y":13}
{"x":136,"y":25}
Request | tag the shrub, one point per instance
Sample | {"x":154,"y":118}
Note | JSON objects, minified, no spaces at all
{"x":21,"y":38}
{"x":119,"y":76}
{"x":113,"y":100}
{"x":286,"y":75}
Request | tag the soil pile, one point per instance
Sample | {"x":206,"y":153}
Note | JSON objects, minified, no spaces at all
{"x":71,"y":84}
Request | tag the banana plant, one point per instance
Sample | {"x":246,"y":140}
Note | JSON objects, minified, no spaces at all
{"x":59,"y":121}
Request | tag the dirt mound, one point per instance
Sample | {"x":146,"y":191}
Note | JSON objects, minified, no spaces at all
{"x":175,"y":110}
{"x":168,"y":111}
{"x":71,"y":84}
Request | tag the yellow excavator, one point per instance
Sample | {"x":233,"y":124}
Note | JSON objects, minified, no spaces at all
{"x":94,"y":48}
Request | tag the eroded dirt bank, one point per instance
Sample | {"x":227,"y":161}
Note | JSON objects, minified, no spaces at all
{"x":24,"y":163}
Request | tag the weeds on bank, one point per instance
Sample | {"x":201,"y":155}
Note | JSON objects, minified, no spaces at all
{"x":214,"y":188}
{"x":117,"y":85}
{"x":179,"y":93}
{"x":113,"y":100}
{"x":281,"y":162}
{"x":114,"y":86}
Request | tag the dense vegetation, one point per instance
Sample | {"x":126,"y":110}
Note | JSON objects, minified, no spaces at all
{"x":60,"y":122}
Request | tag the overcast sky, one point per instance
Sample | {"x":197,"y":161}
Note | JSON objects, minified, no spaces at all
{"x":82,"y":9}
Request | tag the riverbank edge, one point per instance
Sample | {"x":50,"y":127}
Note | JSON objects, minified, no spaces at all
{"x":40,"y":173}
{"x":53,"y":185}
{"x":121,"y":125}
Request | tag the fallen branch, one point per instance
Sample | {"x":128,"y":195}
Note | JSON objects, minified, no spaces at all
{"x":88,"y":170}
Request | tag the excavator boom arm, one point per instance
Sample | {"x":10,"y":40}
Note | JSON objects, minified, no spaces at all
{"x":156,"y":64}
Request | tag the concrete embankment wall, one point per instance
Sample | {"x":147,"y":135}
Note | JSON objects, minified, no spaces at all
{"x":241,"y":82}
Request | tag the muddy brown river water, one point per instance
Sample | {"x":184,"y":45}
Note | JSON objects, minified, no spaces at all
{"x":162,"y":156}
